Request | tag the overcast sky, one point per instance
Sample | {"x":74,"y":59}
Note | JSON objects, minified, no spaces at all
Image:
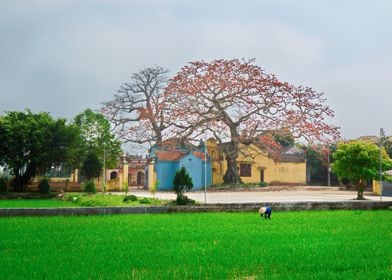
{"x":63,"y":56}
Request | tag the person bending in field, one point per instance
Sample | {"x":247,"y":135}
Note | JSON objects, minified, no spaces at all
{"x":265,"y":212}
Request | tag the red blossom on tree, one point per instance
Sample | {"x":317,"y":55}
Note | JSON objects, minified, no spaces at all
{"x":269,"y":145}
{"x":236,"y":98}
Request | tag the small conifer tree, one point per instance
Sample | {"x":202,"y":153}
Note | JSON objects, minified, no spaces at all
{"x":182,"y":182}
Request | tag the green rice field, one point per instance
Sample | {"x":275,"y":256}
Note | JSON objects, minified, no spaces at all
{"x":293,"y":245}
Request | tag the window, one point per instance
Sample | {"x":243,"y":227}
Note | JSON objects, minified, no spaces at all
{"x":245,"y":170}
{"x":113,"y":175}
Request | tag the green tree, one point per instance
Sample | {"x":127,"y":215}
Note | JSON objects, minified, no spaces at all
{"x":359,"y":162}
{"x":387,"y":144}
{"x":97,"y":137}
{"x":182,"y":182}
{"x":92,"y":166}
{"x":31,"y":143}
{"x":3,"y":185}
{"x":284,"y":137}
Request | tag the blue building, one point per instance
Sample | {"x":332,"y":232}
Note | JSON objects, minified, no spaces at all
{"x":164,"y":161}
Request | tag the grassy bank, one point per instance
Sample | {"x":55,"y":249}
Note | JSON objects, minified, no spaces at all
{"x":293,"y":245}
{"x":79,"y":200}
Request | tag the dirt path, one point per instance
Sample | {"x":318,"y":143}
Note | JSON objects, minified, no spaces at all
{"x":299,"y":194}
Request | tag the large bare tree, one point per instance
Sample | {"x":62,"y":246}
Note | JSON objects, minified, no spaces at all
{"x":137,"y":110}
{"x":237,"y":102}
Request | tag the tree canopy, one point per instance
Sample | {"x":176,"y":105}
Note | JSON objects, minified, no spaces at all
{"x":137,"y":111}
{"x":236,"y":101}
{"x":98,"y":138}
{"x":358,"y":162}
{"x":31,"y":143}
{"x":92,"y":166}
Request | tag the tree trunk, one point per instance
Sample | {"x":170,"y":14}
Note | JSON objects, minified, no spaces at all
{"x":21,"y":181}
{"x":360,"y":189}
{"x":232,"y":176}
{"x":17,"y":183}
{"x":158,"y":141}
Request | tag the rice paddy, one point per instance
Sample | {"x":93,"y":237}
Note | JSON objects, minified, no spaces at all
{"x":293,"y":245}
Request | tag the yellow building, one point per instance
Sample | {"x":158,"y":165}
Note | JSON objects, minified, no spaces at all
{"x":130,"y":172}
{"x":255,"y":166}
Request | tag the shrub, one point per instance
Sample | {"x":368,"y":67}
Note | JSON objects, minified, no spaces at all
{"x":72,"y":197}
{"x":184,"y":200}
{"x":144,"y":200}
{"x":3,"y":185}
{"x":130,"y":198}
{"x":182,"y":182}
{"x":263,"y":184}
{"x":89,"y":187}
{"x":125,"y":188}
{"x":44,"y":186}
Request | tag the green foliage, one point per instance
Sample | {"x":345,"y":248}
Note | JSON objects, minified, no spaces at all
{"x":284,"y":138}
{"x":317,"y":164}
{"x":182,"y":182}
{"x":184,"y":200}
{"x":34,"y":203}
{"x":89,"y":187}
{"x":145,"y":200}
{"x":77,"y":199}
{"x":72,"y":197}
{"x":44,"y":186}
{"x":387,"y":144}
{"x":323,"y":245}
{"x":91,"y":203}
{"x":130,"y":198}
{"x":97,"y":137}
{"x":3,"y":185}
{"x":125,"y":188}
{"x":34,"y":142}
{"x":92,"y":166}
{"x":358,"y":162}
{"x":263,"y":184}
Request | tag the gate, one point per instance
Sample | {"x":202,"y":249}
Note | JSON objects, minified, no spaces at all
{"x":387,"y":189}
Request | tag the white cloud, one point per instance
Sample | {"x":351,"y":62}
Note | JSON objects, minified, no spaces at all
{"x":64,"y":56}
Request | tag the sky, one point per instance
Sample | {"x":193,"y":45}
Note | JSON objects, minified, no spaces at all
{"x":63,"y":56}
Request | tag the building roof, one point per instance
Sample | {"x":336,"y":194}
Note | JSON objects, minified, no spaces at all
{"x":200,"y":155}
{"x":292,"y":154}
{"x":289,"y":154}
{"x":172,"y":155}
{"x":176,"y":144}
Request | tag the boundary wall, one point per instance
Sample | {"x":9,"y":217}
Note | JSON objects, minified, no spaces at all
{"x":232,"y":207}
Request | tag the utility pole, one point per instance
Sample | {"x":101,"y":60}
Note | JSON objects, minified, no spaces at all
{"x":205,"y":171}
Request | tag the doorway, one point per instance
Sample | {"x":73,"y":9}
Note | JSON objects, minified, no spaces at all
{"x":261,"y":175}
